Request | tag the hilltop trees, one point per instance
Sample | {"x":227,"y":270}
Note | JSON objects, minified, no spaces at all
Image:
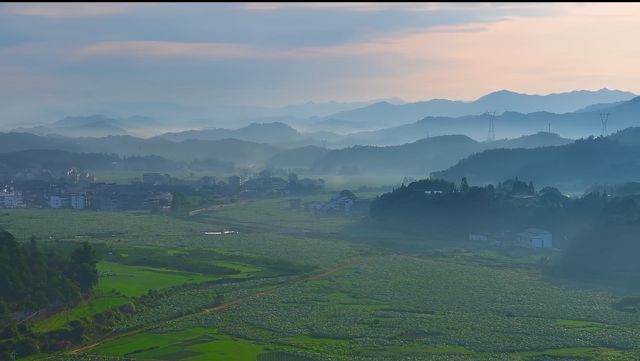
{"x":436,"y":207}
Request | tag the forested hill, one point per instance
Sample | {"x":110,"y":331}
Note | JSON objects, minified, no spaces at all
{"x":583,"y":163}
{"x":423,"y":156}
{"x":233,"y":150}
{"x":32,"y":279}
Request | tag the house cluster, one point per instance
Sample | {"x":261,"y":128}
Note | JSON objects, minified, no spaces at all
{"x":72,"y":175}
{"x":258,"y":186}
{"x":345,"y":203}
{"x":534,"y":238}
{"x":112,"y":197}
{"x":75,"y":189}
{"x":10,"y":198}
{"x":267,"y":185}
{"x":96,"y":196}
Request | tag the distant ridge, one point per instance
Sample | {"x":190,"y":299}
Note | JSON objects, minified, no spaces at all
{"x":383,"y":113}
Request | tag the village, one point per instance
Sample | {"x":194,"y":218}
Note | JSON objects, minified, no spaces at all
{"x":80,"y":190}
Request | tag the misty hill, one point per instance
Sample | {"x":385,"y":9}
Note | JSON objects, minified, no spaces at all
{"x":421,"y":156}
{"x":599,"y":107}
{"x":312,"y":109}
{"x":302,"y":157}
{"x":242,"y":153}
{"x":628,"y":136}
{"x":508,"y":124}
{"x":384,"y":113}
{"x":275,"y":133}
{"x":58,"y":160}
{"x":95,"y":129}
{"x":14,"y":141}
{"x":540,"y":139}
{"x":413,"y":158}
{"x":434,"y":152}
{"x":579,"y":164}
{"x":93,"y":126}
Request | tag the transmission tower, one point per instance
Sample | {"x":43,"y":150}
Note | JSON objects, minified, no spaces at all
{"x":492,"y":128}
{"x":604,"y":118}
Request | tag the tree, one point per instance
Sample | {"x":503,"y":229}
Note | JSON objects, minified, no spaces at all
{"x":349,"y":194}
{"x":464,"y":186}
{"x":82,"y":268}
{"x":180,"y":202}
{"x":265,"y":174}
{"x":530,"y":188}
{"x":293,"y":178}
{"x":551,"y":196}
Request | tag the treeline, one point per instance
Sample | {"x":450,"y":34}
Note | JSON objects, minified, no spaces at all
{"x":58,"y":160}
{"x":599,"y":234}
{"x":31,"y":280}
{"x":608,"y":249}
{"x":443,"y":209}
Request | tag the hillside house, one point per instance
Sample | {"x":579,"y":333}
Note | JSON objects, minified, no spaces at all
{"x":534,"y":238}
{"x":478,"y":237}
{"x":338,"y":203}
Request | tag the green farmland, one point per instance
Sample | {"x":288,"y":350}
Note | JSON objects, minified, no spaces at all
{"x":340,"y":290}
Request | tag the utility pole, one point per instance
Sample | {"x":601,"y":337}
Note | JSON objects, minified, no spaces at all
{"x":604,"y":118}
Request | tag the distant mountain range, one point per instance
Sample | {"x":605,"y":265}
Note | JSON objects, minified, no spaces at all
{"x":384,"y":114}
{"x":354,"y":117}
{"x":603,"y":160}
{"x":509,"y":124}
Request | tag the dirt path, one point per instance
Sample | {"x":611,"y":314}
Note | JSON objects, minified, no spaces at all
{"x":327,"y":273}
{"x":218,"y":308}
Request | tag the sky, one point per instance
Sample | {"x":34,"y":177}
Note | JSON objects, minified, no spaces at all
{"x":192,"y":59}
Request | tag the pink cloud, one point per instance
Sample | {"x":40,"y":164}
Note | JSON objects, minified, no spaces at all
{"x":168,"y":49}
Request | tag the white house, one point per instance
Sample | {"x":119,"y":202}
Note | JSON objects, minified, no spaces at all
{"x":11,"y":200}
{"x":339,"y":203}
{"x":535,"y":238}
{"x":55,"y":202}
{"x":478,"y":237}
{"x":78,"y":201}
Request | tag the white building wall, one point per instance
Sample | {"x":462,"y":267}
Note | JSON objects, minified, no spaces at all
{"x":77,"y":202}
{"x":55,"y":202}
{"x":11,"y":200}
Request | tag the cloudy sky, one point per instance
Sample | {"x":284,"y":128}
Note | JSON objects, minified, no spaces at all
{"x":70,"y":59}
